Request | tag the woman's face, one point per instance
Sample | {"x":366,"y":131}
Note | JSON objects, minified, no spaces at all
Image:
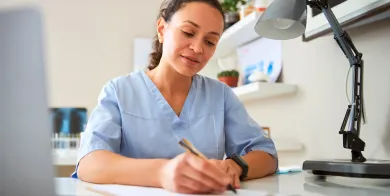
{"x":191,"y":36}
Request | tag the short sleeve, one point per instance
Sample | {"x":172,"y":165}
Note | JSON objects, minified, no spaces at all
{"x":103,"y":131}
{"x":242,"y":133}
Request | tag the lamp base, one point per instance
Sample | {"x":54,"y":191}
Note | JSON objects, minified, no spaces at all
{"x":346,"y":168}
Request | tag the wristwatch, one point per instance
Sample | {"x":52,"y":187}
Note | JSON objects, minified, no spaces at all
{"x":240,"y":162}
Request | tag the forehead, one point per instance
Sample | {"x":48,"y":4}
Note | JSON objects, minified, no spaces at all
{"x":203,"y":14}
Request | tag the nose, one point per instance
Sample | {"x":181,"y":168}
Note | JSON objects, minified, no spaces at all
{"x":197,"y":46}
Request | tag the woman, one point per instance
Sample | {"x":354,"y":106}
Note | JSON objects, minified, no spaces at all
{"x":132,"y":135}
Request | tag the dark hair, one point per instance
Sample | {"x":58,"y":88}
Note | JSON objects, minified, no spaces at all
{"x":168,"y":9}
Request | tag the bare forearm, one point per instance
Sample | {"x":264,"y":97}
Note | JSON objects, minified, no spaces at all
{"x":260,"y":164}
{"x":104,"y":167}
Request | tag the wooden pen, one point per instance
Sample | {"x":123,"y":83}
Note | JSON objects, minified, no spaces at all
{"x":189,"y":147}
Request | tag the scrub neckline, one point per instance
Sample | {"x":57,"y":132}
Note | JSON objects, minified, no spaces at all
{"x":170,"y":115}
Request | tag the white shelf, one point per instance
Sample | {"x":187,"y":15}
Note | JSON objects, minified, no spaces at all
{"x":259,"y":90}
{"x":237,"y":35}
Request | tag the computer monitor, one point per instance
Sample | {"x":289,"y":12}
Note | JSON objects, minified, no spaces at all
{"x":25,"y":150}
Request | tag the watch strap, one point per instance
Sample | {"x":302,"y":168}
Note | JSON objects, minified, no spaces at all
{"x":240,"y":162}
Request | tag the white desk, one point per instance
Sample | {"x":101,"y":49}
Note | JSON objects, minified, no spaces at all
{"x":289,"y":184}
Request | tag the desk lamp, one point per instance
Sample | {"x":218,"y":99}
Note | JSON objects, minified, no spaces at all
{"x":286,"y":19}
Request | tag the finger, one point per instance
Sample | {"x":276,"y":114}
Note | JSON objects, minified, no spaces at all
{"x":185,"y":190}
{"x":209,"y":170}
{"x":202,"y":178}
{"x":193,"y":187}
{"x":236,"y":182}
{"x":231,"y":175}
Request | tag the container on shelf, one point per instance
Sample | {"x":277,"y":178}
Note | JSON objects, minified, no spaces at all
{"x":65,"y":141}
{"x":261,"y":5}
{"x":230,"y":81}
{"x":246,"y":9}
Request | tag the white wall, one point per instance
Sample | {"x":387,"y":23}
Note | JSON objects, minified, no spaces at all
{"x":89,"y":42}
{"x":314,"y":115}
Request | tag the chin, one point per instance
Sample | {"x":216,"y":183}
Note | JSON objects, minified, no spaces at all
{"x":187,"y":70}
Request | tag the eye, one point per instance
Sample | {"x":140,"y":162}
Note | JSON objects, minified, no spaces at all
{"x":188,"y":34}
{"x":210,"y":43}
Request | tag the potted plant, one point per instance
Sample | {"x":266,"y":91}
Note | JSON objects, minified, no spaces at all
{"x":229,"y":77}
{"x":230,"y":8}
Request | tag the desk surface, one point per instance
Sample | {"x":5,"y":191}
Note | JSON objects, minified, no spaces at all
{"x":289,"y":184}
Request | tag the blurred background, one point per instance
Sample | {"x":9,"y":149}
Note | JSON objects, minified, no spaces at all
{"x":298,"y":95}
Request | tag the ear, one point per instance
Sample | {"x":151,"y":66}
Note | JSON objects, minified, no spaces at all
{"x":161,"y":29}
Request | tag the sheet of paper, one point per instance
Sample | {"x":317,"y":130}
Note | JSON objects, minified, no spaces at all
{"x":120,"y":190}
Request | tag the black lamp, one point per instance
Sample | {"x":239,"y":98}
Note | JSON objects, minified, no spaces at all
{"x":286,"y":19}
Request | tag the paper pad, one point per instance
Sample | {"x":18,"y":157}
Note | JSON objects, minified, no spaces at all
{"x":121,"y":190}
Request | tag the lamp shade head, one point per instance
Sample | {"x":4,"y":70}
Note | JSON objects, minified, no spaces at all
{"x":283,"y":19}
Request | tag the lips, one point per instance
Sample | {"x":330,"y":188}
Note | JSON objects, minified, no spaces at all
{"x":192,"y":59}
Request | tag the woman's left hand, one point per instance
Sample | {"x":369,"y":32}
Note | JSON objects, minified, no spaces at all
{"x":231,"y":169}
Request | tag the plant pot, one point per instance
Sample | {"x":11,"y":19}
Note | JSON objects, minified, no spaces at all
{"x":230,"y":81}
{"x":231,"y":18}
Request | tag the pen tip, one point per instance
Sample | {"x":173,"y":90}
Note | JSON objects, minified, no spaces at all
{"x":232,"y":188}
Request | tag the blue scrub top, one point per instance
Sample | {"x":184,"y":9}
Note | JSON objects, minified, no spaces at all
{"x":133,"y":119}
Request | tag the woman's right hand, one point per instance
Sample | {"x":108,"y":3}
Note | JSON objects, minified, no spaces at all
{"x":189,"y":174}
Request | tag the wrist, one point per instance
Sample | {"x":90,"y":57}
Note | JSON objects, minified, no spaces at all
{"x":241,"y":164}
{"x":160,"y":172}
{"x":236,"y":167}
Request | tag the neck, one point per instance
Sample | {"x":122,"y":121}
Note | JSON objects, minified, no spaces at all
{"x":169,"y":80}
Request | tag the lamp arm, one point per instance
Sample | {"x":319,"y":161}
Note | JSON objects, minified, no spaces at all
{"x":355,"y":111}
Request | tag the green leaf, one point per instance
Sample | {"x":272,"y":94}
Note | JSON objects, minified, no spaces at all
{"x":229,"y":73}
{"x":232,"y":5}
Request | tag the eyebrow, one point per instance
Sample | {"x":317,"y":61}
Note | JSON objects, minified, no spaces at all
{"x":196,"y":25}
